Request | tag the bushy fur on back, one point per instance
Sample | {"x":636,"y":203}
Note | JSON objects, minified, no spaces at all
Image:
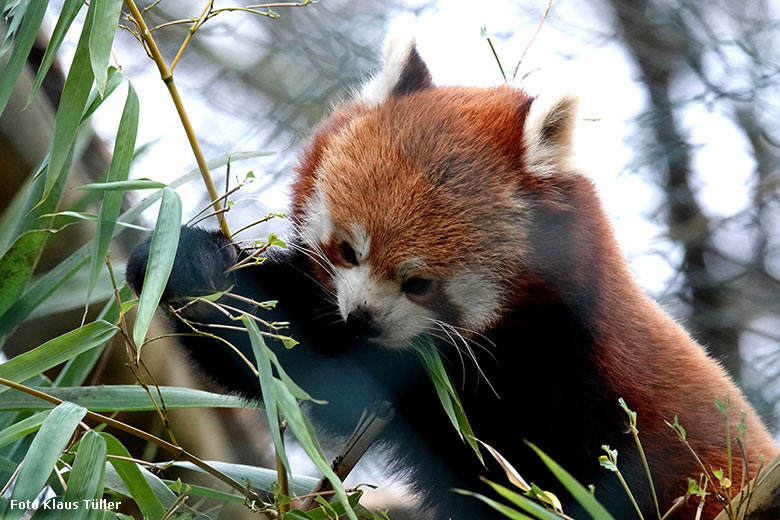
{"x":458,"y":213}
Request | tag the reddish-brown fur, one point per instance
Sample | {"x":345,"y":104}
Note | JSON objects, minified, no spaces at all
{"x":384,"y":168}
{"x":651,"y":360}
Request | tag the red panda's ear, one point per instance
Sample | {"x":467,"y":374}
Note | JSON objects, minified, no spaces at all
{"x":403,"y":70}
{"x":548,"y":135}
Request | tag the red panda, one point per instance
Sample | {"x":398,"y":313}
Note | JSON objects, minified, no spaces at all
{"x":459,"y":213}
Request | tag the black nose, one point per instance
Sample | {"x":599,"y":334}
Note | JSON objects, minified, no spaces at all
{"x":361,"y":323}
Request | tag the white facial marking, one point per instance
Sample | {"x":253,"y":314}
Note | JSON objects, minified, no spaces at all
{"x":408,"y":267}
{"x":360,"y":242}
{"x":477,"y":297}
{"x":397,"y":318}
{"x":317,"y":226}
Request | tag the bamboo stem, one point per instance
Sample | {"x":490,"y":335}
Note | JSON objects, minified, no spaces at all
{"x":167,"y":77}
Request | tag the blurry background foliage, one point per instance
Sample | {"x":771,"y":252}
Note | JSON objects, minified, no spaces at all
{"x":680,"y":129}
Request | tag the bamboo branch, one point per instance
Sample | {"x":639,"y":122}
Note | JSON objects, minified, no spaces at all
{"x":167,"y":77}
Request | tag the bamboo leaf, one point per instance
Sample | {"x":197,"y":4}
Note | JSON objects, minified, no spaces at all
{"x":44,"y":451}
{"x":16,"y":10}
{"x":17,"y":264}
{"x":91,"y":217}
{"x":279,"y":397}
{"x":94,"y":100}
{"x":70,"y":9}
{"x":131,"y":475}
{"x":258,"y":478}
{"x":124,"y":185}
{"x":265,"y":374}
{"x":76,"y":370}
{"x":101,"y":38}
{"x":19,"y":261}
{"x":71,"y":106}
{"x":56,"y":351}
{"x":577,"y":490}
{"x":501,"y":508}
{"x":123,"y":398}
{"x":38,"y":291}
{"x":117,"y":171}
{"x":22,"y":428}
{"x":86,"y":475}
{"x":447,"y":395}
{"x":524,"y":503}
{"x":162,"y":253}
{"x":115,"y":483}
{"x":23,"y":42}
{"x":205,"y":492}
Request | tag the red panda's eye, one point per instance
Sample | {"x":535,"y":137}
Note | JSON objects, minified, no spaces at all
{"x":348,"y":253}
{"x":416,"y":286}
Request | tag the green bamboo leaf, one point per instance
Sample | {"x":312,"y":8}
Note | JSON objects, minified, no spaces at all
{"x":30,"y":233}
{"x":91,"y":217}
{"x":524,"y":503}
{"x":23,"y":42}
{"x":14,"y":214}
{"x":139,"y":488}
{"x":44,"y":451}
{"x":205,"y":492}
{"x":265,"y":374}
{"x":94,"y":100}
{"x":277,"y":394}
{"x":121,"y":186}
{"x":56,"y":351}
{"x":40,"y":290}
{"x":115,"y":483}
{"x":577,"y":490}
{"x":71,"y":106}
{"x":86,"y":476}
{"x":76,"y":370}
{"x":304,"y":433}
{"x":16,"y":10}
{"x":17,"y":264}
{"x":102,"y":37}
{"x":22,"y":428}
{"x":117,"y":172}
{"x":501,"y":508}
{"x":123,"y":398}
{"x":258,"y":478}
{"x":447,"y":395}
{"x":162,"y":253}
{"x":70,"y":9}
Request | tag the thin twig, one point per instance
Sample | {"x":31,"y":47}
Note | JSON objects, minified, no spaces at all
{"x":197,"y":23}
{"x":134,"y":354}
{"x":531,"y":41}
{"x":256,"y":222}
{"x":211,"y":204}
{"x":495,"y":55}
{"x":207,"y":215}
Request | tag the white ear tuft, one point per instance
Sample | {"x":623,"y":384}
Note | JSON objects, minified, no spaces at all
{"x":549,"y":132}
{"x":403,"y":71}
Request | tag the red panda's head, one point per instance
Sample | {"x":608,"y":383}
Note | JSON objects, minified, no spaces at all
{"x":413,"y":201}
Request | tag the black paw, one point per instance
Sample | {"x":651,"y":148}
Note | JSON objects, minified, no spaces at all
{"x":202,"y":258}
